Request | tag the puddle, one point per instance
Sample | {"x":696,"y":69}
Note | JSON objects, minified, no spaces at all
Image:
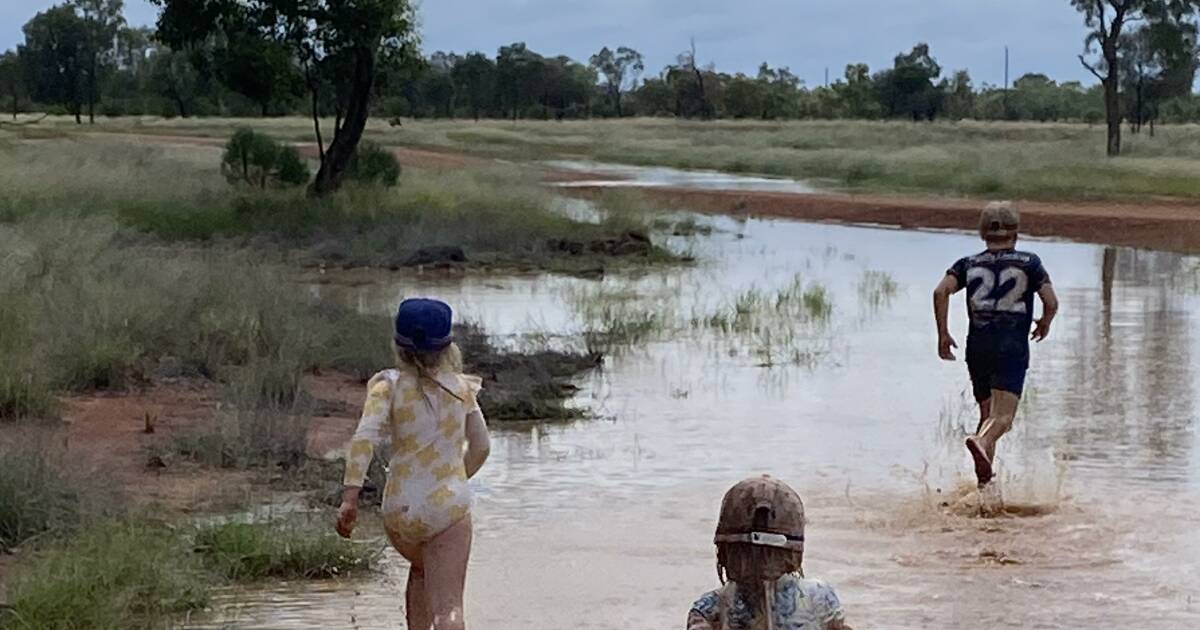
{"x":1100,"y":476}
{"x":624,"y":176}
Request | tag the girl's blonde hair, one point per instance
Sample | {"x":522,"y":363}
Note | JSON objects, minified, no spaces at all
{"x":447,"y":360}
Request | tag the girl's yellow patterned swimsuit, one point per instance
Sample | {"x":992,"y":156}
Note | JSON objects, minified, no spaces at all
{"x":421,"y":430}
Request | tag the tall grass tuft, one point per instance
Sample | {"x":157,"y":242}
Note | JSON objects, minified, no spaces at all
{"x":102,"y":312}
{"x":289,"y":549}
{"x":42,"y":495}
{"x":111,"y":576}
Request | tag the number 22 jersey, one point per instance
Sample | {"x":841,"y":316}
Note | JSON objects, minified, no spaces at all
{"x":1000,"y":287}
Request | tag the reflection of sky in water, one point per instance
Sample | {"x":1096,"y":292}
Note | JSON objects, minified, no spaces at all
{"x":661,"y":176}
{"x":1111,"y":393}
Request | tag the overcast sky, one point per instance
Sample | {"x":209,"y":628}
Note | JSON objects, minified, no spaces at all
{"x":807,"y":35}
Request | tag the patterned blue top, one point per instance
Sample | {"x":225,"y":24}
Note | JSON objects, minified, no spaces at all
{"x":800,"y":604}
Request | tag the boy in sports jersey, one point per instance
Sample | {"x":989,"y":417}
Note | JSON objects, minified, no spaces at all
{"x":1000,"y":282}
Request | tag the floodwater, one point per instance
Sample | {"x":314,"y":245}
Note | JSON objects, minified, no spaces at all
{"x":607,"y":523}
{"x":622,"y":176}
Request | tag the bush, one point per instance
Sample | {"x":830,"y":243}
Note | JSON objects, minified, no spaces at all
{"x":373,"y":164}
{"x":257,"y":160}
{"x":39,"y":495}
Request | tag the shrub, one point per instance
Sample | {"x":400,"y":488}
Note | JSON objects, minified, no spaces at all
{"x":373,"y":164}
{"x":39,"y":495}
{"x":257,"y":160}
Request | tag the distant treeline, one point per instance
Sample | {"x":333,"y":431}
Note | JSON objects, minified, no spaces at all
{"x":79,"y":59}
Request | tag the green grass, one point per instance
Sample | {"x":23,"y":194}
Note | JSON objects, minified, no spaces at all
{"x":989,"y":159}
{"x":498,"y":215}
{"x":285,"y":550}
{"x":111,"y":576}
{"x":102,"y":312}
{"x":137,"y":573}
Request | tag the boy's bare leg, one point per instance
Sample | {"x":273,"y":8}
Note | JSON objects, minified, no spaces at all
{"x":985,"y":410}
{"x":1000,"y":421}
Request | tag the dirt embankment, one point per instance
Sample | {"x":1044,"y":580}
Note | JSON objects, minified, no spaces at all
{"x":131,"y":436}
{"x":1160,"y":224}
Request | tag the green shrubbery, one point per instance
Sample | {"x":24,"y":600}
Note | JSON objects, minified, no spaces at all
{"x":375,"y":165}
{"x":258,"y":160}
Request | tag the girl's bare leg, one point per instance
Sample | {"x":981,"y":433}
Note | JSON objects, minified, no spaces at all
{"x":445,"y":564}
{"x":416,"y":600}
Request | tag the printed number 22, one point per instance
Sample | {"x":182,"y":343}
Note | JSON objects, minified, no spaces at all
{"x":1010,"y":302}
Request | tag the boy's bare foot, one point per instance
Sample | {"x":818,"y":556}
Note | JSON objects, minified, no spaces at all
{"x":983,"y":465}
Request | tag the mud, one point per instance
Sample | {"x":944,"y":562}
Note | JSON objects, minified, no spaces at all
{"x":525,"y":386}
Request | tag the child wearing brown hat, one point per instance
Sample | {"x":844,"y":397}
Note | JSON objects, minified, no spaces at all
{"x":760,"y":550}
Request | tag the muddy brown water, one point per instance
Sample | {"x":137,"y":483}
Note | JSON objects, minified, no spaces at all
{"x":607,"y":523}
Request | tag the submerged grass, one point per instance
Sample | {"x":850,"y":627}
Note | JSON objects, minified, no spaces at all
{"x":782,"y":326}
{"x":877,"y":289}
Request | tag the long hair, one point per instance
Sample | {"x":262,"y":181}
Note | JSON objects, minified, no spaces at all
{"x":749,"y":567}
{"x":428,"y":365}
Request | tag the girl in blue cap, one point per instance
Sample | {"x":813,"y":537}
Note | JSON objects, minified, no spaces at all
{"x":424,"y":416}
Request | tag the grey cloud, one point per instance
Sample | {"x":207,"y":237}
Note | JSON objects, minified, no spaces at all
{"x":806,"y":35}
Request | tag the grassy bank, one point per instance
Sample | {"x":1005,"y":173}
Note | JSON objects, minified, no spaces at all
{"x":138,"y":573}
{"x":1020,"y":160}
{"x":88,"y":557}
{"x":82,"y":308}
{"x":499,"y":215}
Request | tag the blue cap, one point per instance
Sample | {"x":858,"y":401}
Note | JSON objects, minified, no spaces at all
{"x":424,"y":325}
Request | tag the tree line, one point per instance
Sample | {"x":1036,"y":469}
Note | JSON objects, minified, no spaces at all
{"x":354,"y":58}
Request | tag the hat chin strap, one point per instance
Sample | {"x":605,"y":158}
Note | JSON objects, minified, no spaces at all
{"x":763,"y":539}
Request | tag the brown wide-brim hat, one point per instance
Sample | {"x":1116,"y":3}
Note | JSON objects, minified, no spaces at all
{"x":762,"y":511}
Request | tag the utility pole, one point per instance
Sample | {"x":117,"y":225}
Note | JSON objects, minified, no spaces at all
{"x":1006,"y":82}
{"x":826,"y":76}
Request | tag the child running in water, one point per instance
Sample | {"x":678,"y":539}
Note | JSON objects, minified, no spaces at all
{"x":425,"y":418}
{"x":1000,"y":282}
{"x":760,"y":550}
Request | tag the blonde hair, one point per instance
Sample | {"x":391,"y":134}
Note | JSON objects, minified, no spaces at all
{"x":448,"y":360}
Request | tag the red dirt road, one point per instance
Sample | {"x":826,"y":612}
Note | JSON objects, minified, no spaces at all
{"x":1161,"y":224}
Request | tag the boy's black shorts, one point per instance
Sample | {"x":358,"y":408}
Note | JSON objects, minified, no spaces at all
{"x":997,"y":361}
